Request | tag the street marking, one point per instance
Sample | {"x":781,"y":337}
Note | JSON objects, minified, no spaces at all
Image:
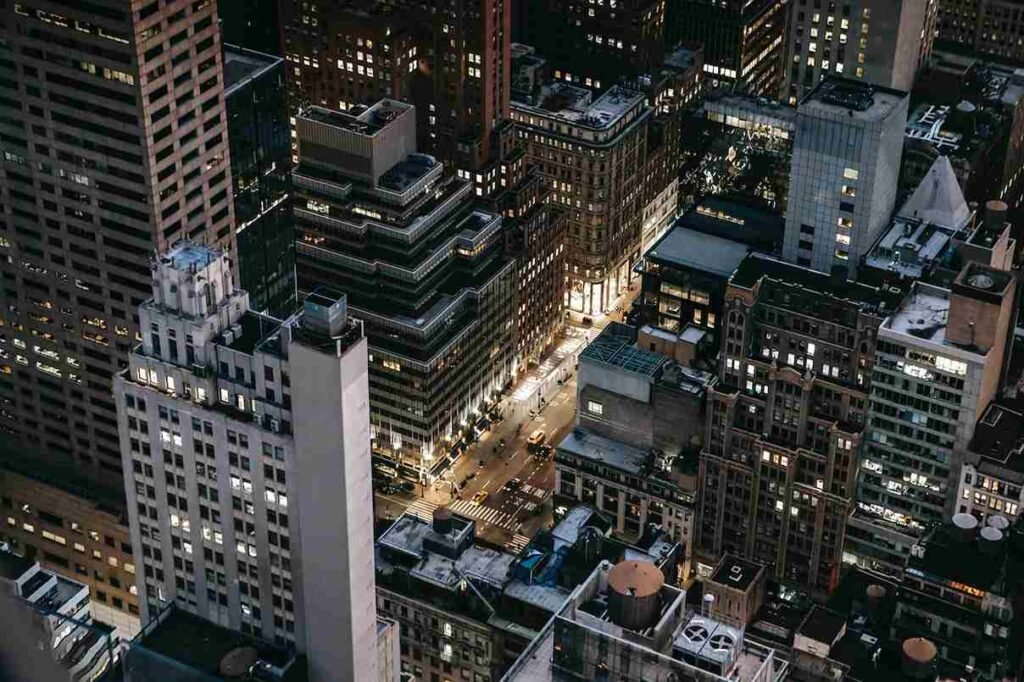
{"x":423,"y":509}
{"x":518,"y":543}
{"x":530,"y":506}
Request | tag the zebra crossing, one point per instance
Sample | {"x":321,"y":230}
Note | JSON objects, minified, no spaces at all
{"x":486,"y":514}
{"x":423,"y":509}
{"x":517,"y":544}
{"x":533,"y":490}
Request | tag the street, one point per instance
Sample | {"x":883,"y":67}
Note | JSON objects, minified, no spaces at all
{"x":505,"y":516}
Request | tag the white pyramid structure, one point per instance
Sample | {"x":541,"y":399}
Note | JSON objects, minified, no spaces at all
{"x":938,"y":198}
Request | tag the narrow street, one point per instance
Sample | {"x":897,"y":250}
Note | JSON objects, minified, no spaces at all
{"x":476,"y":485}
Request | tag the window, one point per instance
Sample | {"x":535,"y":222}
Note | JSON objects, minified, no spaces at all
{"x":594,"y":407}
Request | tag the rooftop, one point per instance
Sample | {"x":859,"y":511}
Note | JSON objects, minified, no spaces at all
{"x":909,"y":247}
{"x":189,"y":256}
{"x":757,"y":266}
{"x":924,"y":314}
{"x":737,"y":573}
{"x":999,"y":440}
{"x":408,"y":535}
{"x":687,"y":248}
{"x":601,"y":450}
{"x":737,"y":221}
{"x":938,"y":198}
{"x":576,"y":105}
{"x":616,"y":346}
{"x":861,"y":101}
{"x":366,"y":121}
{"x":241,"y":65}
{"x":823,"y":625}
{"x":962,"y":555}
{"x":205,"y":647}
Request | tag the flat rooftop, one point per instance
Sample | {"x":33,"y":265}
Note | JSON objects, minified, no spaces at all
{"x":201,"y":645}
{"x":407,"y":535}
{"x":823,"y":625}
{"x":186,"y":256}
{"x":685,"y":248}
{"x":361,"y":120}
{"x":242,"y":65}
{"x":616,"y":346}
{"x":923,"y":314}
{"x":13,"y":566}
{"x":737,"y":221}
{"x":737,"y":573}
{"x":999,"y":439}
{"x":407,"y":172}
{"x":909,"y":247}
{"x":576,"y":105}
{"x":860,"y":100}
{"x":756,"y":266}
{"x":598,"y":449}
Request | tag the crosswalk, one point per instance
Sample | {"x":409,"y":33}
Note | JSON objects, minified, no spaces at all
{"x":533,"y":490}
{"x":423,"y":509}
{"x":517,"y":544}
{"x":488,"y":515}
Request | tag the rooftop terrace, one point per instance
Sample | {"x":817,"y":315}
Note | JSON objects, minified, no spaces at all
{"x":860,"y":100}
{"x":616,"y":346}
{"x":576,"y":105}
{"x":361,"y":120}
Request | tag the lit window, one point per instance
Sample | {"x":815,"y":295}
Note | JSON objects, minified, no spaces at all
{"x":594,"y":407}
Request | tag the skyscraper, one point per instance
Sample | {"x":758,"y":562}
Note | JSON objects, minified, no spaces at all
{"x":846,"y":162}
{"x":991,"y":27}
{"x":884,"y":42}
{"x":422,"y":266}
{"x":786,"y":420}
{"x":743,"y":40}
{"x":258,"y":135}
{"x":114,"y":147}
{"x":247,"y":464}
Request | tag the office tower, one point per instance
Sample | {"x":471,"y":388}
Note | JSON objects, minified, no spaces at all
{"x":76,"y":536}
{"x":743,"y":40}
{"x":589,"y":42}
{"x":251,"y":24}
{"x":453,"y":65}
{"x":234,"y":426}
{"x":786,"y":420}
{"x":989,"y":27}
{"x":422,"y":268}
{"x":938,"y":363}
{"x":260,"y":142}
{"x":115,"y":146}
{"x":883,"y":42}
{"x":599,"y":179}
{"x":53,"y":635}
{"x":846,"y":162}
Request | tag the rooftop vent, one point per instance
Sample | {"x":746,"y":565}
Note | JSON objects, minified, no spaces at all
{"x":237,"y":662}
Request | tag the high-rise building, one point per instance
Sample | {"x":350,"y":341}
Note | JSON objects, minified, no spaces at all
{"x":883,"y":42}
{"x":990,"y":27}
{"x":594,"y":154}
{"x":114,"y":146}
{"x":234,"y":427}
{"x":846,"y":163}
{"x":939,"y":361}
{"x":743,"y":40}
{"x":589,"y":42}
{"x":453,"y":65}
{"x":260,"y":142}
{"x":422,"y":268}
{"x":786,"y":420}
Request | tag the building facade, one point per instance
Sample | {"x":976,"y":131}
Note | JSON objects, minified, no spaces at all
{"x":234,"y":424}
{"x":883,"y":42}
{"x":425,"y":271}
{"x":938,"y":363}
{"x":992,"y":476}
{"x":76,"y":537}
{"x":115,"y":146}
{"x":743,"y":41}
{"x":846,"y":162}
{"x":991,"y":27}
{"x":786,"y":420}
{"x":258,"y":134}
{"x":593,"y":154}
